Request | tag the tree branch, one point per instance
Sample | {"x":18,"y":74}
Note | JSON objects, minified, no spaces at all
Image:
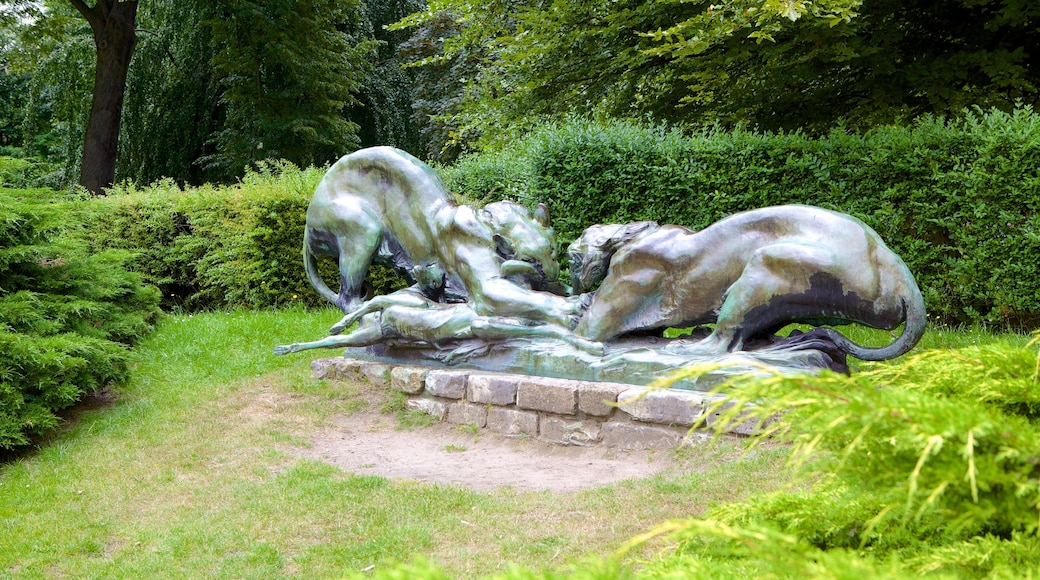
{"x":93,"y":17}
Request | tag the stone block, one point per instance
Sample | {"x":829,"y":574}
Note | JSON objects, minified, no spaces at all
{"x":323,"y":368}
{"x":437,"y":409}
{"x":558,"y":396}
{"x":450,"y":385}
{"x":377,"y":374}
{"x":340,"y":369}
{"x":493,"y":389}
{"x":467,"y":414}
{"x":568,"y":431}
{"x":408,"y":380}
{"x":512,"y":421}
{"x":599,"y":399}
{"x":633,"y":436}
{"x":665,"y":406}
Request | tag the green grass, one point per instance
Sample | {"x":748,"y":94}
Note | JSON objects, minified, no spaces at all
{"x":192,"y":472}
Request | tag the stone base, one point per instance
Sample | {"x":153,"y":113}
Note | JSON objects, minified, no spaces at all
{"x":642,"y":361}
{"x":561,"y":411}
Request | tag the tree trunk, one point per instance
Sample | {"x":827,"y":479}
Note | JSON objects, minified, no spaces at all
{"x":114,"y":24}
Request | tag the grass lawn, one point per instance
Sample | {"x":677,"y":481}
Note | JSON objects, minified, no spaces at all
{"x":190,"y":472}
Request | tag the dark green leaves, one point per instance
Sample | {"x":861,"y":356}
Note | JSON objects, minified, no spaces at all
{"x":66,"y":317}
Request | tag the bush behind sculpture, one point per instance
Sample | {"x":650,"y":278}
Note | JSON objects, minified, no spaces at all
{"x":218,"y":246}
{"x":958,"y":200}
{"x":66,"y":317}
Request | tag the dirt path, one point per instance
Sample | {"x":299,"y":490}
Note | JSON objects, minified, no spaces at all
{"x":368,"y":443}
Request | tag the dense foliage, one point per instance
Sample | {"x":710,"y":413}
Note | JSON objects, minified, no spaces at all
{"x":926,"y":466}
{"x":217,"y":246}
{"x":958,"y":200}
{"x":216,"y":86}
{"x":66,"y":316}
{"x":212,"y":246}
{"x":923,"y":467}
{"x":286,"y":72}
{"x":772,"y":65}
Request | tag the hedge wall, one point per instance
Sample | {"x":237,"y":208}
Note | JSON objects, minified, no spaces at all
{"x":213,"y":247}
{"x":957,"y":200}
{"x":66,"y":317}
{"x":218,"y":246}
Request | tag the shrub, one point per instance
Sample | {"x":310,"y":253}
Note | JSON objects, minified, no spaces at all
{"x":957,"y":199}
{"x":23,"y":172}
{"x":928,"y":465}
{"x":218,"y":246}
{"x":66,"y":317}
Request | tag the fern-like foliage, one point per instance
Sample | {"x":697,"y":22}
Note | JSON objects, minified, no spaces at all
{"x":67,"y":317}
{"x":931,"y":465}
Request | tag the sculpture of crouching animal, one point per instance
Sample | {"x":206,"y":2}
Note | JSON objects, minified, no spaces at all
{"x":383,"y":205}
{"x":751,"y":274}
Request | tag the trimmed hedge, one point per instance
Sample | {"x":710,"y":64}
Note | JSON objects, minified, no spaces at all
{"x":66,"y":317}
{"x":957,"y":199}
{"x":216,"y":247}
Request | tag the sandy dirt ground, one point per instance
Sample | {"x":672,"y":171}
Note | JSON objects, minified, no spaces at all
{"x":369,"y":443}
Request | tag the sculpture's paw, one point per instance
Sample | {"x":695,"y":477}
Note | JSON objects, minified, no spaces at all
{"x":337,"y":328}
{"x":572,"y":321}
{"x":283,"y":349}
{"x":577,"y":305}
{"x":595,"y":348}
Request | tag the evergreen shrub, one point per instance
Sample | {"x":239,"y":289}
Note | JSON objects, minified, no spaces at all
{"x":928,"y":465}
{"x":66,"y":316}
{"x":957,"y":199}
{"x":216,"y":247}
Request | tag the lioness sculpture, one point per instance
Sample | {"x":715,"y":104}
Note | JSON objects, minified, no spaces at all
{"x":751,"y":274}
{"x":381,"y":204}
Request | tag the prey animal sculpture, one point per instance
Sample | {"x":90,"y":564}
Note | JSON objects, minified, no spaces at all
{"x":751,"y":274}
{"x":409,"y":317}
{"x":383,"y":205}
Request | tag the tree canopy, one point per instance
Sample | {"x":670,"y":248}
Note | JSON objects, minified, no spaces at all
{"x":774,"y":64}
{"x":217,"y":85}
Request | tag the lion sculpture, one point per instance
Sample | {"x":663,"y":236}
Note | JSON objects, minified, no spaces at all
{"x":751,"y":274}
{"x":383,"y":205}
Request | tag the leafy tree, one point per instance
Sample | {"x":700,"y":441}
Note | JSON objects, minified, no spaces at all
{"x":384,"y":101}
{"x":778,"y":64}
{"x":114,"y":27}
{"x":287,"y":69}
{"x":439,"y":85}
{"x":56,"y":53}
{"x":13,"y":92}
{"x":216,"y":86}
{"x":173,"y":106}
{"x":113,"y":30}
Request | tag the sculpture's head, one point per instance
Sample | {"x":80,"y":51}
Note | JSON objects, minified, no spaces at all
{"x":589,"y":256}
{"x":526,"y":241}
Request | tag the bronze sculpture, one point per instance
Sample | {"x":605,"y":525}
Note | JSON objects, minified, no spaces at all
{"x":750,"y":274}
{"x":410,"y":318}
{"x":486,"y":292}
{"x":381,"y":204}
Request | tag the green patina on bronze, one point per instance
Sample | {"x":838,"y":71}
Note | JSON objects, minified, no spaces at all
{"x":486,"y":293}
{"x":381,"y":204}
{"x":751,"y":274}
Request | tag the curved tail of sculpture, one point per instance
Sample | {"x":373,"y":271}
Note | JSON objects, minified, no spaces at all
{"x":310,"y":264}
{"x":916,"y":319}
